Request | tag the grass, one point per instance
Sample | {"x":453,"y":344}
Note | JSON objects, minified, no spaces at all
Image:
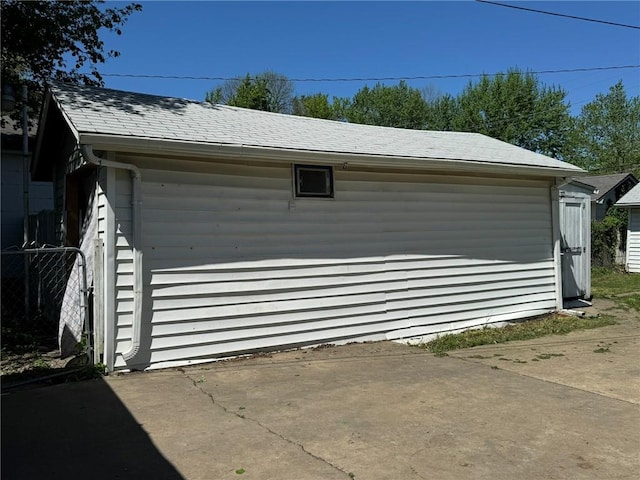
{"x":610,"y":283}
{"x":630,"y":302}
{"x":621,"y":287}
{"x":551,"y":325}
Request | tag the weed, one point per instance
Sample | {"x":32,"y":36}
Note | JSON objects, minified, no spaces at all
{"x":41,"y":363}
{"x":352,"y":475}
{"x":494,"y":367}
{"x":100,"y":368}
{"x":240,"y":471}
{"x":550,"y":325}
{"x":442,"y":354}
{"x":601,"y":350}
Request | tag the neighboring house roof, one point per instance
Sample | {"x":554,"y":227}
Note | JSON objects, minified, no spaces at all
{"x":589,"y":188}
{"x":631,"y":199}
{"x":96,"y":114}
{"x":604,"y":183}
{"x":12,"y":133}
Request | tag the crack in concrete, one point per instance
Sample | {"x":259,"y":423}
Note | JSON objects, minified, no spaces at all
{"x":264,"y":427}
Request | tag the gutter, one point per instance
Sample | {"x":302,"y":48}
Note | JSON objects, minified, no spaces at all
{"x":136,"y":177}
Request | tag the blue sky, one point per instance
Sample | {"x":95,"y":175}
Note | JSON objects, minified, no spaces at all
{"x":373,"y":39}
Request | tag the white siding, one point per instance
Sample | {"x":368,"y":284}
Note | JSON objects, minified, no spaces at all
{"x":633,"y":241}
{"x":233,"y":264}
{"x":123,"y":260}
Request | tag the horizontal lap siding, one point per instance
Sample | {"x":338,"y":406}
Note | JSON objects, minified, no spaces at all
{"x":123,"y":261}
{"x":233,"y":264}
{"x":633,"y":241}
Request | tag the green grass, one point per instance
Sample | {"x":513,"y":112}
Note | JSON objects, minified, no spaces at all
{"x":621,"y":287}
{"x":609,"y":283}
{"x":551,"y":325}
{"x":631,"y":302}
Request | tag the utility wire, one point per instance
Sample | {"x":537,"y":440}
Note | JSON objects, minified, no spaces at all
{"x":371,"y":79}
{"x":595,"y":20}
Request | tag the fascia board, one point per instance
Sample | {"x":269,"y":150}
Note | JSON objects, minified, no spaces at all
{"x":74,"y":131}
{"x":163,"y":147}
{"x":47,"y":107}
{"x":41,"y":126}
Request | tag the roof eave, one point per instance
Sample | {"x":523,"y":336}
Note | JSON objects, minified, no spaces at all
{"x":627,"y":205}
{"x":143,"y":145}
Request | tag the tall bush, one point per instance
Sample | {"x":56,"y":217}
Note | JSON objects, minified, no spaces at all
{"x":607,"y":236}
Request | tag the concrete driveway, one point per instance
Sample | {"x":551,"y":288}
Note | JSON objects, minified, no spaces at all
{"x":363,"y":411}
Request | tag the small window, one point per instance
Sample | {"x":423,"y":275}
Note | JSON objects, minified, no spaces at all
{"x":313,"y":181}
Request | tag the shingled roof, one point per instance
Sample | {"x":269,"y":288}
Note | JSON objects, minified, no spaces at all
{"x":92,"y":112}
{"x":603,"y":183}
{"x":631,"y":199}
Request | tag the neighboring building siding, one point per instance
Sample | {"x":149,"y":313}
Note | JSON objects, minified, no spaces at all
{"x":633,"y":241}
{"x":232,"y":263}
{"x":12,"y":203}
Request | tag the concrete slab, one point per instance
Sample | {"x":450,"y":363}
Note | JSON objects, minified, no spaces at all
{"x":76,"y":430}
{"x":363,"y":411}
{"x":605,"y":360}
{"x":401,"y":413}
{"x":204,"y":439}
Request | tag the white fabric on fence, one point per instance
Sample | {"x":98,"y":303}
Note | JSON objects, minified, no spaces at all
{"x":72,"y":313}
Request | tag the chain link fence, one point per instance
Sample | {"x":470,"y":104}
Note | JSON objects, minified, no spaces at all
{"x":38,"y":287}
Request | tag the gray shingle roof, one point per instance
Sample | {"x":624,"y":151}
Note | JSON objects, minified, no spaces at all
{"x":631,"y":198}
{"x":603,"y":183}
{"x":93,"y":110}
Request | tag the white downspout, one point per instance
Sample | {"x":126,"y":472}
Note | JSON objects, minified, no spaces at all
{"x":90,"y":157}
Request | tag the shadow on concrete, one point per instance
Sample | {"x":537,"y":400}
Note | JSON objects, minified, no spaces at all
{"x":76,"y":430}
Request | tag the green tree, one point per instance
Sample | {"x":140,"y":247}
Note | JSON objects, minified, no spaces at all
{"x":317,"y":106}
{"x":516,"y":108}
{"x":389,"y":106}
{"x":249,"y":93}
{"x":56,"y":40}
{"x":441,"y":113}
{"x":606,"y":135}
{"x":268,"y":91}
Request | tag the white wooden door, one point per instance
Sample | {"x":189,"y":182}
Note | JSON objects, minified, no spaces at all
{"x":574,"y":228}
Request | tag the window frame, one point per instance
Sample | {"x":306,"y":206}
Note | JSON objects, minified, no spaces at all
{"x":297,"y":168}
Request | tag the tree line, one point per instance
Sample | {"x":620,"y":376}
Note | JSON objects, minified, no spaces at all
{"x":515,"y":107}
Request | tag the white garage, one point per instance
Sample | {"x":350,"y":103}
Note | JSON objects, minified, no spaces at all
{"x":220,"y":231}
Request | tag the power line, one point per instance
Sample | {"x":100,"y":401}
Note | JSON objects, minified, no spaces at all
{"x":615,"y":24}
{"x":371,"y":79}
